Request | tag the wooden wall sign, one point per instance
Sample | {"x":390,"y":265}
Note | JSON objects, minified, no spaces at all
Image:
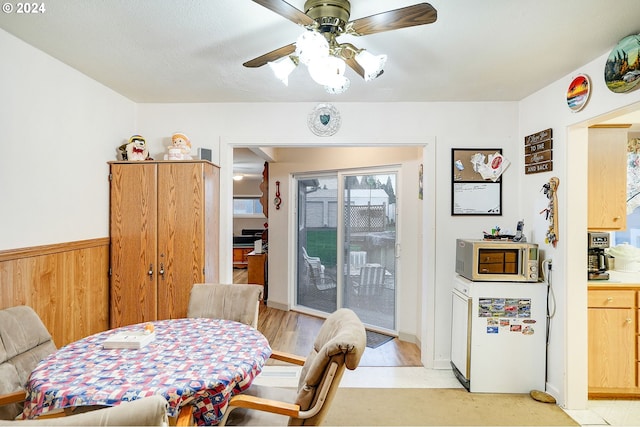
{"x":538,"y":152}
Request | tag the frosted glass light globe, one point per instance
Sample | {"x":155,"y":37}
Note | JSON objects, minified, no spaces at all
{"x":311,"y":45}
{"x":339,"y":85}
{"x":325,"y":70}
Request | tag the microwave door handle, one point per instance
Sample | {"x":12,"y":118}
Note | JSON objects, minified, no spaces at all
{"x":521,"y":262}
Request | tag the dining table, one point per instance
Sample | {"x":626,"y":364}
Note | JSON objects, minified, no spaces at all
{"x":200,"y":362}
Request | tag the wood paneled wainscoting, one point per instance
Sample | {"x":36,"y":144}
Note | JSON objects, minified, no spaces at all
{"x":67,"y":284}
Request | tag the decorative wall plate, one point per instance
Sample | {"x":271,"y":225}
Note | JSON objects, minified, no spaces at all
{"x":324,"y":120}
{"x":578,"y":92}
{"x":622,"y":70}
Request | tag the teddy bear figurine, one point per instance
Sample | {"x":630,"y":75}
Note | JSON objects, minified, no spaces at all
{"x":180,"y":148}
{"x":135,"y":150}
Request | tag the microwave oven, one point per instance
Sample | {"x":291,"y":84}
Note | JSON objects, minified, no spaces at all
{"x":497,"y":260}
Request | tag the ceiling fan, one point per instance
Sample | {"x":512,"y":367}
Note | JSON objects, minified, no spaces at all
{"x":318,"y":48}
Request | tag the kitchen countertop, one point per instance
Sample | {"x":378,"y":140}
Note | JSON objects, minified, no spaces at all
{"x":617,"y":278}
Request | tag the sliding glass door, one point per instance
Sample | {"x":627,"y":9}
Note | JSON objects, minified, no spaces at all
{"x":369,"y":245}
{"x":347,"y":255}
{"x":317,"y":243}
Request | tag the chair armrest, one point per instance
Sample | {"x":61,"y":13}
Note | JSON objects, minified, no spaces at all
{"x":21,"y":396}
{"x":266,"y":405}
{"x":288,"y":357}
{"x":13,"y":397}
{"x":185,"y":416}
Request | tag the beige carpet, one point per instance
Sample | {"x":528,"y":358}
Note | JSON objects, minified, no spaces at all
{"x":440,"y":407}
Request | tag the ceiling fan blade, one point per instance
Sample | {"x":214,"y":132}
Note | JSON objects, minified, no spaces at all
{"x":283,"y":8}
{"x":353,"y":64}
{"x":409,"y":16}
{"x":271,"y":56}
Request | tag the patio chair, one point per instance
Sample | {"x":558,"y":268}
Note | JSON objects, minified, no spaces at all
{"x":315,"y":272}
{"x":357,"y":260}
{"x":340,"y":343}
{"x":238,"y":302}
{"x":370,"y":282}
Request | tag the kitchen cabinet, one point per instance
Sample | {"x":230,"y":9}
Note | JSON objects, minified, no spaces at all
{"x":256,"y":268}
{"x":613,"y":338}
{"x":607,"y":178}
{"x":164,"y":229}
{"x":240,"y":254}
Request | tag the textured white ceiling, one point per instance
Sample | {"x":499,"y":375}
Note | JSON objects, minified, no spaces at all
{"x":193,"y":50}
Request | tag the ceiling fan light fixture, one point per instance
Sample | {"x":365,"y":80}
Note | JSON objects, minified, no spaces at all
{"x":373,"y":65}
{"x":324,"y":22}
{"x":311,"y":45}
{"x":282,"y":68}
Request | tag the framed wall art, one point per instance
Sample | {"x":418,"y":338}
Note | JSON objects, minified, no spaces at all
{"x":471,"y":194}
{"x":578,"y":92}
{"x":622,"y":70}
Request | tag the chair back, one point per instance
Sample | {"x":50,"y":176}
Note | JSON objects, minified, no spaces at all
{"x":340,"y":343}
{"x":238,"y":302}
{"x":313,"y":261}
{"x":24,"y":342}
{"x":147,"y":411}
{"x":371,"y":280}
{"x":357,"y":260}
{"x":315,"y":272}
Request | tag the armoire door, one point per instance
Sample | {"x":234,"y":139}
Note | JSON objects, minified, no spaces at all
{"x":133,"y":229}
{"x":181,"y":244}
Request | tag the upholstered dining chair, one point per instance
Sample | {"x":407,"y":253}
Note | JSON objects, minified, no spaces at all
{"x":24,"y":342}
{"x":148,"y":411}
{"x":239,"y":302}
{"x":340,"y":343}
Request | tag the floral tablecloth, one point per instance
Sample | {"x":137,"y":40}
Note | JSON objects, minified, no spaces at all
{"x":201,"y":362}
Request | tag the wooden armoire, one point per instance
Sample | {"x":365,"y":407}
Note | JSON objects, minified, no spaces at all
{"x":164,"y":228}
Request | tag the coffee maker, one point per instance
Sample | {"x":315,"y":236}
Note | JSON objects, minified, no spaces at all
{"x":597,"y":259}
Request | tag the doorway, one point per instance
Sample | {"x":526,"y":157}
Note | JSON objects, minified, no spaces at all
{"x":346,"y":241}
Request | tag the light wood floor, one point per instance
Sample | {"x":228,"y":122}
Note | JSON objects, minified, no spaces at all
{"x":294,"y":332}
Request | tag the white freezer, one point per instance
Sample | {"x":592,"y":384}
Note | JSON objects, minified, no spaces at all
{"x":498,"y":342}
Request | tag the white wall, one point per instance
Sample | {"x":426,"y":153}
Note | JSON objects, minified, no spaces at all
{"x":59,"y":129}
{"x":567,"y":377}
